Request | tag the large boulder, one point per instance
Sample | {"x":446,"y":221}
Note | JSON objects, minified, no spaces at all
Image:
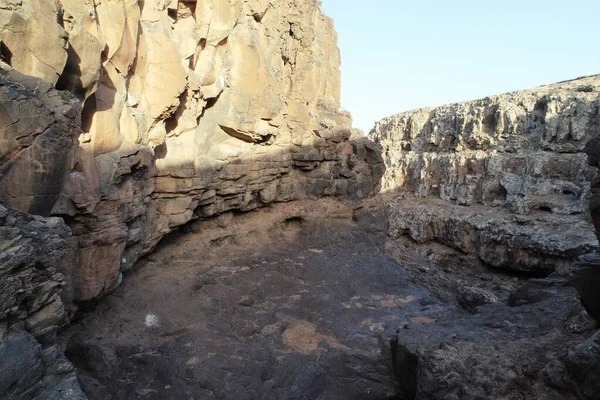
{"x":39,"y":127}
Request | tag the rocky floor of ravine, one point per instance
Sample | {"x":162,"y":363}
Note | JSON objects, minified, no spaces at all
{"x":285,"y":303}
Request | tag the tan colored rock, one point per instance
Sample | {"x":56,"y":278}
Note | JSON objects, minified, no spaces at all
{"x":167,"y":111}
{"x":28,"y":51}
{"x":166,"y":60}
{"x":84,"y":64}
{"x":37,"y":141}
{"x":190,"y":109}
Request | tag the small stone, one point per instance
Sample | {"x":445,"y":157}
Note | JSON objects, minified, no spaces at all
{"x":246,"y":301}
{"x":377,"y":327}
{"x":470,"y":298}
{"x":151,"y":320}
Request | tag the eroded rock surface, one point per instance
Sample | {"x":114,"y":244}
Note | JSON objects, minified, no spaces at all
{"x":319,"y":310}
{"x":39,"y":128}
{"x":129,"y":119}
{"x":503,"y":182}
{"x":171,"y":113}
{"x":498,"y":170}
{"x":190,"y":109}
{"x":33,"y":251}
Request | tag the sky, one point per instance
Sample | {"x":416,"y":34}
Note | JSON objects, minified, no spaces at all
{"x":399,"y":55}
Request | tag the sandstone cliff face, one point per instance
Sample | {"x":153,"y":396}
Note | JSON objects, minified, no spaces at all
{"x":189,"y":109}
{"x":131,"y":118}
{"x":506,"y":178}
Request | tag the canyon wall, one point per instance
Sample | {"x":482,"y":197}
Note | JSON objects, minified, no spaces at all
{"x":188,"y":109}
{"x":124,"y":120}
{"x":504,"y":180}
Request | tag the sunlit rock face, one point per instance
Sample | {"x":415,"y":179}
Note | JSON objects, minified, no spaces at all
{"x":149,"y":70}
{"x":177,"y":110}
{"x":504,"y":179}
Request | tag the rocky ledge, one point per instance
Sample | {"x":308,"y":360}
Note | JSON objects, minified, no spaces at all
{"x":504,"y":180}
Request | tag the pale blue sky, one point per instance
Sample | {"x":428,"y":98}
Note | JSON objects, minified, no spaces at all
{"x":398,"y":55}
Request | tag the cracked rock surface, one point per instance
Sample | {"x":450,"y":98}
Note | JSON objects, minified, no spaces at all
{"x":320,"y":310}
{"x":32,"y":366}
{"x":167,"y":112}
{"x":128,"y":120}
{"x":503,"y":180}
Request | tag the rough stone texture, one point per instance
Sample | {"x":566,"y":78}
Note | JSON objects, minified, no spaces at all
{"x":586,"y":278}
{"x":537,"y":243}
{"x":39,"y":55}
{"x":190,"y":109}
{"x":505,"y":350}
{"x":166,"y":112}
{"x":172,"y":112}
{"x":285,"y":303}
{"x":504,"y":181}
{"x":503,"y":168}
{"x":38,"y":132}
{"x":586,"y":272}
{"x":33,"y":251}
{"x":583,"y":367}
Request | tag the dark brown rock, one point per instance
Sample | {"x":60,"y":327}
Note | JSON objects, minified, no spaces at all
{"x":583,"y":367}
{"x":586,"y":278}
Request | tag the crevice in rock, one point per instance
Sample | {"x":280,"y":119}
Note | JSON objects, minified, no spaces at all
{"x":406,"y":369}
{"x":5,"y":53}
{"x":173,"y":14}
{"x":88,"y":112}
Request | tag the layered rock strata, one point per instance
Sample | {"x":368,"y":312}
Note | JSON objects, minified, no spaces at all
{"x":33,"y":251}
{"x":505,"y":179}
{"x":129,"y":119}
{"x":189,"y":109}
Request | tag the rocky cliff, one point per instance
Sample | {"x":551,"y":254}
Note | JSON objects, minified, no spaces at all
{"x":129,"y":119}
{"x":124,"y":120}
{"x":188,"y":109}
{"x":504,"y":179}
{"x":507,"y":182}
{"x":32,"y":253}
